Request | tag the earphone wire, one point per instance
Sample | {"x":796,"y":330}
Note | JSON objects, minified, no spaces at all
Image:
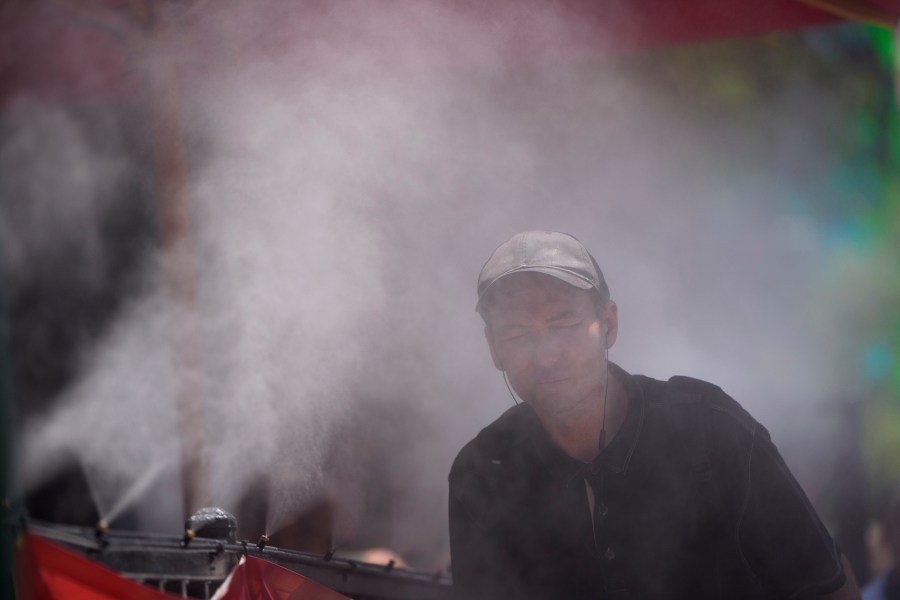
{"x":602,"y":441}
{"x":509,"y":388}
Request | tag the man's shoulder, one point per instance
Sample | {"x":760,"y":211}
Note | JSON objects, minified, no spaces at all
{"x":680,"y":393}
{"x":496,"y":441}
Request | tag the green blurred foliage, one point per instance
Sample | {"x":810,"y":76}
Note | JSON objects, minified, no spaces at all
{"x":843,"y":81}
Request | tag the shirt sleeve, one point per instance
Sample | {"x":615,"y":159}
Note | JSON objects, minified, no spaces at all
{"x":780,"y":535}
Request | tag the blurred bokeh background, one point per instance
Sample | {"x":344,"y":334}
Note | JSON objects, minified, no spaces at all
{"x":239,"y":244}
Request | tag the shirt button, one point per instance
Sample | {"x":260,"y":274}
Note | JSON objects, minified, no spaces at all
{"x":602,"y":510}
{"x":609,"y":554}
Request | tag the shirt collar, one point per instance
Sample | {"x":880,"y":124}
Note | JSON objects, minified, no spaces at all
{"x":617,"y":454}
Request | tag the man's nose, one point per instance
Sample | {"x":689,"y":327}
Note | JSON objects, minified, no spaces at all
{"x":547,"y":351}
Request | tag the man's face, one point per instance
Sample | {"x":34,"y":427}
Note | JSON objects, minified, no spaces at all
{"x":548,"y":337}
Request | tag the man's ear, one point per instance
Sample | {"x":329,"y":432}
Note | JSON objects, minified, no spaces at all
{"x":490,"y":340}
{"x":610,"y":319}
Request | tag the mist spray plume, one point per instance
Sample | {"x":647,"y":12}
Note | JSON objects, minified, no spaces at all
{"x":349,"y":171}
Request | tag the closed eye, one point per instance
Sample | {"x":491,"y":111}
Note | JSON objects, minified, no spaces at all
{"x":566,"y":325}
{"x":514,"y":338}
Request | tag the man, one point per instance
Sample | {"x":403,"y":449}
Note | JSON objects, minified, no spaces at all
{"x":605,"y":485}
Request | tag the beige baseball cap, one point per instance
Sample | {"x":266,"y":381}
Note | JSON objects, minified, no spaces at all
{"x":553,"y":253}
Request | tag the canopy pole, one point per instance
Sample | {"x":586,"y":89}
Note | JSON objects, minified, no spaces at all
{"x":181,"y":274}
{"x":180,"y":265}
{"x":7,"y":531}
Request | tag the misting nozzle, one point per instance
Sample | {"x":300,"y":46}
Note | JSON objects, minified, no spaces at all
{"x":188,"y":536}
{"x":100,"y":532}
{"x":263,"y":540}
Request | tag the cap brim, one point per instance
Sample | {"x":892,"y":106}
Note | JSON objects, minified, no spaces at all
{"x":561,"y":274}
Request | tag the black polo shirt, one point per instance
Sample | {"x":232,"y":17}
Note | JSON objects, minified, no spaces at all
{"x":690,"y":500}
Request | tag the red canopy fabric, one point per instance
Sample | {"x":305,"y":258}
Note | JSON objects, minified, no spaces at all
{"x":48,"y":53}
{"x":47,"y":571}
{"x":257,"y":579}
